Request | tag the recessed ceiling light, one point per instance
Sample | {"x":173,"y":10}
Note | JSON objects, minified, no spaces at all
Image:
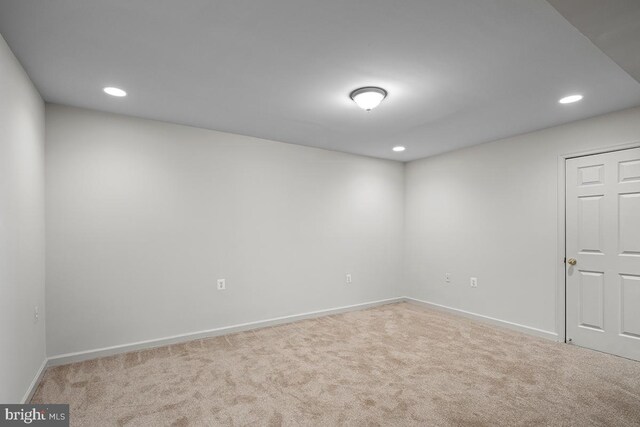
{"x":114,"y":91}
{"x":368,"y":98}
{"x":571,"y":98}
{"x":399,"y":148}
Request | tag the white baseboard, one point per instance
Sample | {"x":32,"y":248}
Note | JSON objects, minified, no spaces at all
{"x":35,"y":382}
{"x":486,"y":319}
{"x":64,"y":359}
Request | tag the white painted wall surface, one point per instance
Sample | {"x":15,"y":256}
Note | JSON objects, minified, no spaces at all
{"x":22,"y":339}
{"x":144,"y":216}
{"x":490,"y":211}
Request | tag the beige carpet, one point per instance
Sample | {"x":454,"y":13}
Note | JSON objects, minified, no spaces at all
{"x":392,"y":365}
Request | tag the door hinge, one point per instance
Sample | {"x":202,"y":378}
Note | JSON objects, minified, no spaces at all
{"x":565,"y":260}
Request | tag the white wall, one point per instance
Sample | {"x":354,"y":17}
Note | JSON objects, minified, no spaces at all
{"x":491,"y":211}
{"x":22,"y":339}
{"x":144,"y":216}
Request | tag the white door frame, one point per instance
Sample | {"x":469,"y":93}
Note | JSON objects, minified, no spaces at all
{"x":561,"y":285}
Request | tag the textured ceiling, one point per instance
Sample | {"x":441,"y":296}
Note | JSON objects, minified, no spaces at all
{"x":458,"y":72}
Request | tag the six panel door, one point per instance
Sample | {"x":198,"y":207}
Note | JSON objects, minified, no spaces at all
{"x":603,"y":240}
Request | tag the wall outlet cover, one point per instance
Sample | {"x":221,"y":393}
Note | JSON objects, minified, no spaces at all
{"x":222,"y":284}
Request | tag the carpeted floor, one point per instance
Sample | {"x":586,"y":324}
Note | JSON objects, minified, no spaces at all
{"x":397,"y":364}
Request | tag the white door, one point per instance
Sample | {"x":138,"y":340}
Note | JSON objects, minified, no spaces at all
{"x":603,"y":252}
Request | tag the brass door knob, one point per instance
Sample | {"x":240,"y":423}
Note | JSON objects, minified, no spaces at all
{"x":572,"y":261}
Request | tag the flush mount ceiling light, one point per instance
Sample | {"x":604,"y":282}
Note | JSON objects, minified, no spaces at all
{"x":570,"y":99}
{"x":398,"y":148}
{"x":114,"y":91}
{"x":368,"y":98}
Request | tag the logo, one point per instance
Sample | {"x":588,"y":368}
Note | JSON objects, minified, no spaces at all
{"x":34,"y":415}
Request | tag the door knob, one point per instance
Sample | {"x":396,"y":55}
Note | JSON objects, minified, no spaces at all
{"x":572,"y":261}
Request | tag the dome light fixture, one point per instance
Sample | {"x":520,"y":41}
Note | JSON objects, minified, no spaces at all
{"x":570,"y":99}
{"x":368,"y":97}
{"x":398,"y":148}
{"x":114,"y":91}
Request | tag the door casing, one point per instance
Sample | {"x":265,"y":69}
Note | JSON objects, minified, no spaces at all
{"x":561,"y":284}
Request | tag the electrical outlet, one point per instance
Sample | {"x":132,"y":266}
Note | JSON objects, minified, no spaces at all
{"x":474,"y":282}
{"x":447,"y":277}
{"x":349,"y":280}
{"x":222,"y":284}
{"x":36,"y":313}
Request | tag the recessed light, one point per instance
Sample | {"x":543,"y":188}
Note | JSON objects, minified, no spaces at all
{"x":114,"y":91}
{"x":399,"y":148}
{"x":570,"y":99}
{"x":368,"y":98}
